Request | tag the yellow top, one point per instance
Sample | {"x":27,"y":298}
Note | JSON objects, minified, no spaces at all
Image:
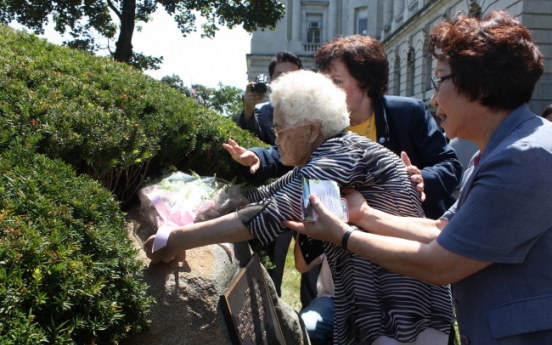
{"x":366,"y":129}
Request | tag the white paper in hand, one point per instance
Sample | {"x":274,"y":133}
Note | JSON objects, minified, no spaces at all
{"x":328,"y":193}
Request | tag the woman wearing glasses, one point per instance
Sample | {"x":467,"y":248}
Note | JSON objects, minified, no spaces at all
{"x":358,"y":64}
{"x":372,"y":305}
{"x":495,"y":243}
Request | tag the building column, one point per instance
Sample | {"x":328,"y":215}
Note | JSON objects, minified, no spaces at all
{"x":398,"y":7}
{"x":387,"y":14}
{"x":332,"y":19}
{"x":296,"y":27}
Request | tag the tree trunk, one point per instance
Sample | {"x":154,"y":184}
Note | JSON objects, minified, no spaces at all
{"x":123,"y":51}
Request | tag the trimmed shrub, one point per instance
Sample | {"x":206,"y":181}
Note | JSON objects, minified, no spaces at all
{"x":68,"y":272}
{"x":106,"y":119}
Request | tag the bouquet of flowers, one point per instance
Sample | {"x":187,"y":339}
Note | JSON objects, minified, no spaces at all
{"x":181,"y":199}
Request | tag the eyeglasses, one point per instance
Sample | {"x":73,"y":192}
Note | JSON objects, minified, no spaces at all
{"x":277,"y":132}
{"x":437,"y":82}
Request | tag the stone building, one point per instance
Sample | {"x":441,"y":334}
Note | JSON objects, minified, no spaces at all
{"x":402,"y":26}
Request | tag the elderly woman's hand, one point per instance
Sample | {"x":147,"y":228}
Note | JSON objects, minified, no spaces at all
{"x":416,"y":175}
{"x":327,"y":227}
{"x":166,"y":254}
{"x":243,"y":156}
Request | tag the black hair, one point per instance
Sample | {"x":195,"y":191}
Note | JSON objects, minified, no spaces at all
{"x":283,"y":57}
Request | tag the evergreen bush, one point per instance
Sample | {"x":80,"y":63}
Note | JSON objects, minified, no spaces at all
{"x":68,"y":273}
{"x":107,"y":119}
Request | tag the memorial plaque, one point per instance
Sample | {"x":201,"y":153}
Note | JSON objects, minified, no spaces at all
{"x":249,"y":310}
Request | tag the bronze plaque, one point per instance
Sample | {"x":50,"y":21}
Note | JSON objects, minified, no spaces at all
{"x":249,"y":310}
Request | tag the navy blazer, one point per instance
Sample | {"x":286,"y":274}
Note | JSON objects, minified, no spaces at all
{"x":402,"y":124}
{"x":260,"y":123}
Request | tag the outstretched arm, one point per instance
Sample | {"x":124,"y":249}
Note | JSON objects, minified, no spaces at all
{"x":424,"y":261}
{"x":378,"y":222}
{"x":228,"y":228}
{"x":243,"y":156}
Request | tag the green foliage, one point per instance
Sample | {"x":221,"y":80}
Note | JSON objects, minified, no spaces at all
{"x":68,"y":273}
{"x":85,"y":19}
{"x":144,"y":62}
{"x":227,"y":100}
{"x":291,"y":283}
{"x":176,"y":83}
{"x":106,"y":119}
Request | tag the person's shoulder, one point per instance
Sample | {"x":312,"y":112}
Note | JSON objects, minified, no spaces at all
{"x":345,"y":141}
{"x":348,"y":137}
{"x":402,"y":101}
{"x":265,"y":106}
{"x":523,"y":127}
{"x":528,"y":145}
{"x":535,"y":132}
{"x":353,"y":142}
{"x":399,"y":105}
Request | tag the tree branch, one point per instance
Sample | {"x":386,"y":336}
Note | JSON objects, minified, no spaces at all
{"x":114,"y":9}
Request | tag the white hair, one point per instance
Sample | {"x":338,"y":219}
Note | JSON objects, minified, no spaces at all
{"x":304,"y":96}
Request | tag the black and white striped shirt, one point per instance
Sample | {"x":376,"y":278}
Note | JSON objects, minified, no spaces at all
{"x":370,"y":301}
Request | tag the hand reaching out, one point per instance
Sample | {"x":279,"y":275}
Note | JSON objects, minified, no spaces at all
{"x":416,"y":175}
{"x":243,"y":156}
{"x":166,"y":254}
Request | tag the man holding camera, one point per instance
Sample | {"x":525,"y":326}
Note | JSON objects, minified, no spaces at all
{"x":258,"y":118}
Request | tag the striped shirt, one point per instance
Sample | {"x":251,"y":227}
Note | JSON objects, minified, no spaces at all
{"x":370,"y":301}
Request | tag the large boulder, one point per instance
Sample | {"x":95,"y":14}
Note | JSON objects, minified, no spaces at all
{"x":188,"y":309}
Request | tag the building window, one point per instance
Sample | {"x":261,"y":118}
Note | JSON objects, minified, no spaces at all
{"x":427,"y":63}
{"x":427,"y":71}
{"x":313,"y":35}
{"x":411,"y":70}
{"x":314,"y":27}
{"x":397,"y":73}
{"x":361,"y":21}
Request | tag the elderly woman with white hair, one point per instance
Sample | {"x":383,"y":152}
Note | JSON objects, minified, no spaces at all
{"x":372,"y":304}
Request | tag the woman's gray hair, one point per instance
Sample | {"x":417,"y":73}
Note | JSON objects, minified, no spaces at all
{"x":305,"y":96}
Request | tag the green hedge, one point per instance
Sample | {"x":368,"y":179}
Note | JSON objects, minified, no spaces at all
{"x":107,"y":119}
{"x":68,"y":273}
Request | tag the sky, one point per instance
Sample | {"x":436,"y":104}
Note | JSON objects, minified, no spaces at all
{"x":194,"y":59}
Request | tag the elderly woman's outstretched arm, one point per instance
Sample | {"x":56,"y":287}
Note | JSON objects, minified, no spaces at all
{"x":228,"y":228}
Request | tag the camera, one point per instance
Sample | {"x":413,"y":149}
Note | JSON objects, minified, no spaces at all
{"x":260,"y":84}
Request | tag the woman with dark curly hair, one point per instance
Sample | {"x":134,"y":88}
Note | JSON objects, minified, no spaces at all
{"x":493,"y":245}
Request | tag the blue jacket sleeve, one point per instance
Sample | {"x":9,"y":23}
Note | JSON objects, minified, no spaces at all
{"x":440,"y":166}
{"x":412,"y":129}
{"x":260,"y":123}
{"x":270,"y":165}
